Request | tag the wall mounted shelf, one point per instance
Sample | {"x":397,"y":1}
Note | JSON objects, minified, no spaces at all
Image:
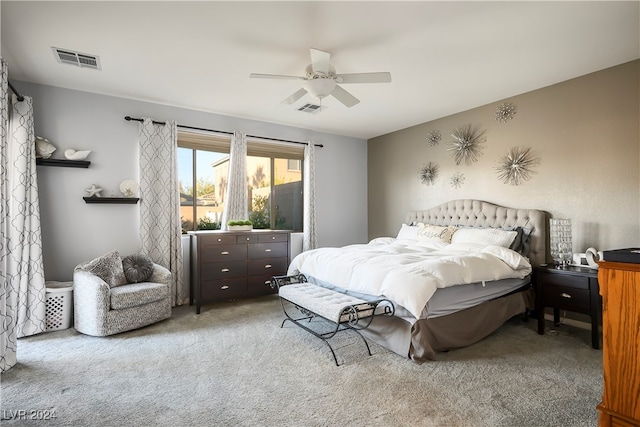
{"x":121,"y":200}
{"x":64,"y":163}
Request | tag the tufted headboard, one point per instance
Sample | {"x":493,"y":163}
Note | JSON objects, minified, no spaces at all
{"x":478,"y":213}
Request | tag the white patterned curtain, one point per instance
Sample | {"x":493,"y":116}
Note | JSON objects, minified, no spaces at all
{"x":22,"y":285}
{"x":160,"y":225}
{"x":235,"y":206}
{"x":310,"y":235}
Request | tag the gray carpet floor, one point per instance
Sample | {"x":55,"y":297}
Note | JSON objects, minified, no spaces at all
{"x":233,"y":365}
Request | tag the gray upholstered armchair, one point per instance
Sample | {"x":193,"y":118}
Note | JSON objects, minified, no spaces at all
{"x":106,"y":303}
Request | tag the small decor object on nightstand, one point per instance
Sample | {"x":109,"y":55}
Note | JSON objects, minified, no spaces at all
{"x":72,"y":154}
{"x":94,"y":191}
{"x":561,"y":242}
{"x":129,"y":187}
{"x":240,"y":225}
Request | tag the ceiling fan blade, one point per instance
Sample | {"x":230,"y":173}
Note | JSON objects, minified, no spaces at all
{"x":364,"y":78}
{"x":345,"y":97}
{"x":320,"y":61}
{"x":274,"y":76}
{"x":293,"y":98}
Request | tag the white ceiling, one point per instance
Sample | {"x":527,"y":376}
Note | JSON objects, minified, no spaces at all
{"x":444,"y":57}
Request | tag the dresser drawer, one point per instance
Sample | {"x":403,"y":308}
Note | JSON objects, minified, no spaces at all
{"x":275,"y":237}
{"x":271,"y":266}
{"x":246,"y":238}
{"x":268,"y":250}
{"x":260,"y":285}
{"x":223,"y":270}
{"x":216,"y":290}
{"x":224,"y":252}
{"x":565,"y":297}
{"x":566,"y":280}
{"x":217,"y":239}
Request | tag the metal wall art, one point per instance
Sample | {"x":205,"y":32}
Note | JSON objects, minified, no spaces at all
{"x":434,"y":137}
{"x":515,"y":167}
{"x":505,"y":112}
{"x":429,"y":173}
{"x":457,"y":180}
{"x":466,"y":144}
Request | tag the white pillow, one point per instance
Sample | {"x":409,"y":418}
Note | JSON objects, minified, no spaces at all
{"x":485,"y":236}
{"x":435,"y":233}
{"x":408,"y":232}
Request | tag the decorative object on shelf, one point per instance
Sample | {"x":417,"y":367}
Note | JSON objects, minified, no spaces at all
{"x":129,"y":187}
{"x":561,"y":241}
{"x":429,"y":173}
{"x":72,"y":154}
{"x":93,"y":191}
{"x":44,"y":148}
{"x":466,"y":144}
{"x":457,"y":180}
{"x":434,"y":137}
{"x":505,"y":112}
{"x":515,"y":167}
{"x":240,"y":225}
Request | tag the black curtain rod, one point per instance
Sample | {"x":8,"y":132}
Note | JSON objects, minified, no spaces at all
{"x":13,"y":89}
{"x":129,"y":118}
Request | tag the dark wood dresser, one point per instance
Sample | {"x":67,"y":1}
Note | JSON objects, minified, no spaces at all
{"x":620,"y":290}
{"x":228,"y":265}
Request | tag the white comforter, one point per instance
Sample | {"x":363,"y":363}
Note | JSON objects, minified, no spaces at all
{"x":408,"y":272}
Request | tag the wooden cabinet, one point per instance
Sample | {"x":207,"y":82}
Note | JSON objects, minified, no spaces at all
{"x":620,"y":290}
{"x":569,"y":288}
{"x":230,"y":265}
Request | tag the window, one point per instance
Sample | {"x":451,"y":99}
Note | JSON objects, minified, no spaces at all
{"x":274,"y":182}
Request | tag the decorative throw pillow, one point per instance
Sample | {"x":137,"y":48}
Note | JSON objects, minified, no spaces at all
{"x":109,"y":268}
{"x":435,"y":233}
{"x":137,"y":268}
{"x":485,"y":236}
{"x":408,"y":232}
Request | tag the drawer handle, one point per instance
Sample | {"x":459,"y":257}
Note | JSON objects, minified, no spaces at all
{"x":225,"y":287}
{"x":267,"y":266}
{"x":225,"y":270}
{"x":273,"y":237}
{"x":224,"y":253}
{"x":565,"y":295}
{"x":248,"y":239}
{"x":267,"y":250}
{"x":219,"y":240}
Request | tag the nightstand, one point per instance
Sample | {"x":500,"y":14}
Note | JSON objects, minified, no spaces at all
{"x":569,"y":288}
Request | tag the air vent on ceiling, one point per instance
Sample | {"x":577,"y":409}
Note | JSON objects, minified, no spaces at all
{"x":66,"y":56}
{"x":311,"y":108}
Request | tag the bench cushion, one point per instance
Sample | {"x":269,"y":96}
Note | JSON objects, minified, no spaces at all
{"x":322,"y":301}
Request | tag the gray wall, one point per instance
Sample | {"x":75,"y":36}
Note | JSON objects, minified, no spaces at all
{"x":73,"y":231}
{"x":585,"y":132}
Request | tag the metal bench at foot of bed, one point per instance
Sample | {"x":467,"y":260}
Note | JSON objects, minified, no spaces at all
{"x":344,"y":311}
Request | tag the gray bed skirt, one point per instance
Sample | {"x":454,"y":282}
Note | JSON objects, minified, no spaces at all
{"x":422,"y":340}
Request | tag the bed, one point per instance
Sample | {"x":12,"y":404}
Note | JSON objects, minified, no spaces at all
{"x":450,"y":286}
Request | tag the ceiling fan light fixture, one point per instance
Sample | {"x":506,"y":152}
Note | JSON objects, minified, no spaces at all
{"x":319,"y":88}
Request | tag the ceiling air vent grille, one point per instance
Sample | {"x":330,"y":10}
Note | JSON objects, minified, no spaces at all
{"x":66,"y":56}
{"x":311,"y":108}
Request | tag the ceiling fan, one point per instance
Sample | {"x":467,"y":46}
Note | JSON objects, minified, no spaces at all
{"x":321,"y":80}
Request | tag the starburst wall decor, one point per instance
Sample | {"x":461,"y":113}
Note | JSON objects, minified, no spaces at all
{"x":434,"y":137}
{"x":515,"y":167}
{"x":429,"y":173}
{"x":505,"y":112}
{"x":457,"y":180}
{"x":466,"y":144}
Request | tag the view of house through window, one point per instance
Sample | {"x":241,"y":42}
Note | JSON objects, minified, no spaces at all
{"x":274,"y":185}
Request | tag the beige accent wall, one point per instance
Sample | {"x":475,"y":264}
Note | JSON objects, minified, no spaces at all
{"x":585,"y":131}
